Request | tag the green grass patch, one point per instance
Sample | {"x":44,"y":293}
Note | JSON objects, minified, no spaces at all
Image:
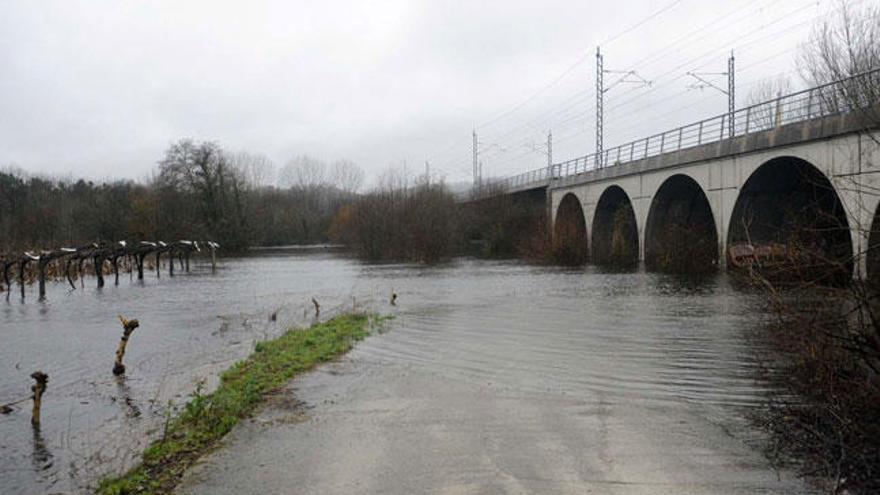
{"x":243,"y":387}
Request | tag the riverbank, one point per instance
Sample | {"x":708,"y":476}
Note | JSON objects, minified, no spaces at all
{"x":825,"y":360}
{"x":243,"y":387}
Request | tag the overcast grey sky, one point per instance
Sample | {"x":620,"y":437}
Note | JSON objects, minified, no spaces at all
{"x":100,"y":88}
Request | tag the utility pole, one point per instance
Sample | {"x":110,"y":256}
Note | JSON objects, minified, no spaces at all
{"x":600,"y":93}
{"x":475,"y":161}
{"x":627,"y":76}
{"x":730,"y":92}
{"x":546,"y":149}
{"x":478,"y":164}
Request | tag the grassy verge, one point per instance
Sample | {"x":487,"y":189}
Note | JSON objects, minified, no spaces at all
{"x":243,"y":387}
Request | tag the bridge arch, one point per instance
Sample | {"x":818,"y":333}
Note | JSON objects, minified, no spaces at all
{"x":615,"y":234}
{"x":570,"y":232}
{"x":680,"y":232}
{"x":789,"y":212}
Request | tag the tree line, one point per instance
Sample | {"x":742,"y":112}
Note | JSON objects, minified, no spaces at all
{"x":198,"y":191}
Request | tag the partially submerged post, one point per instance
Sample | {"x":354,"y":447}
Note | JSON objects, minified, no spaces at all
{"x":317,"y":308}
{"x":50,"y":263}
{"x":79,"y":270}
{"x":38,"y":388}
{"x":98,"y":262}
{"x":120,"y":251}
{"x":114,"y":262}
{"x":21,"y":265}
{"x":183,"y":250}
{"x":128,"y":327}
{"x":67,"y":274}
{"x":213,"y":245}
{"x":71,"y":256}
{"x":161,"y":247}
{"x":22,"y":269}
{"x":3,"y":264}
{"x":141,"y":253}
{"x":42,"y":261}
{"x":139,"y":261}
{"x":7,"y":264}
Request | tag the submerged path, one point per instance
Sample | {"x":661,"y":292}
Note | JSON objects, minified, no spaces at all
{"x":514,"y":381}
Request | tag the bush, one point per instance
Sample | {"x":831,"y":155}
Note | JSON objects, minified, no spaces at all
{"x":829,"y":345}
{"x":399,"y":223}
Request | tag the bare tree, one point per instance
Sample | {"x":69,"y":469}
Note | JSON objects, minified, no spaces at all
{"x":257,"y":169}
{"x":203,"y":170}
{"x":303,"y":172}
{"x":843,"y":44}
{"x":346,"y":175}
{"x":763,"y":98}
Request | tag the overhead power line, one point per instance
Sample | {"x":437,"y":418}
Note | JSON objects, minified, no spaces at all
{"x":547,"y":118}
{"x":577,"y":63}
{"x":639,"y":24}
{"x":568,"y":111}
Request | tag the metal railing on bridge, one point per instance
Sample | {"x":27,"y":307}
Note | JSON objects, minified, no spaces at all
{"x":859,"y":92}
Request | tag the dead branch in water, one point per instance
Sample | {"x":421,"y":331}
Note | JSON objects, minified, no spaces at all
{"x":38,"y":388}
{"x":128,"y":327}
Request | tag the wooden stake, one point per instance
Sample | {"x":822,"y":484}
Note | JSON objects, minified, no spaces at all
{"x":82,"y":274}
{"x":98,"y":262}
{"x":41,"y":273}
{"x":69,"y":276}
{"x":128,"y":327}
{"x":115,"y":261}
{"x":21,"y":267}
{"x":38,"y":388}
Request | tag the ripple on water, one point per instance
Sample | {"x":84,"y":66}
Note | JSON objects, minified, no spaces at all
{"x":633,"y":337}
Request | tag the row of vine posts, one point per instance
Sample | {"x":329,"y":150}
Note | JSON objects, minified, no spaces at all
{"x":69,"y":263}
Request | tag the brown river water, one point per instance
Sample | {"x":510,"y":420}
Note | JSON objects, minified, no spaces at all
{"x":672,"y":363}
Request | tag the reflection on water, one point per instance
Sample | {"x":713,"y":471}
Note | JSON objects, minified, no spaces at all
{"x":41,"y":457}
{"x":630,"y":336}
{"x":123,"y":397}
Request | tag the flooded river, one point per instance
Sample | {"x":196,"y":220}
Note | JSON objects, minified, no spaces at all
{"x":639,"y":383}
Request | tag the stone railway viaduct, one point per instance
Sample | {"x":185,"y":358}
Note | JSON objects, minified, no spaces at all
{"x":821,"y":167}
